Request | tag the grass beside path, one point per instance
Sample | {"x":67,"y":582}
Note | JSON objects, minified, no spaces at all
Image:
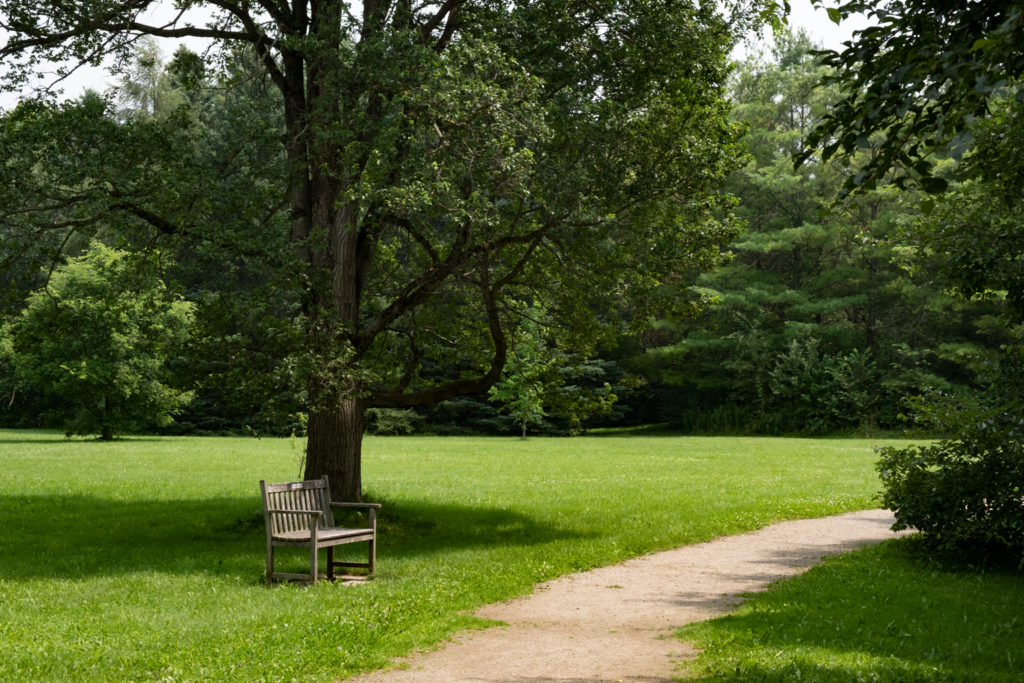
{"x":886,"y":613}
{"x":142,"y":559}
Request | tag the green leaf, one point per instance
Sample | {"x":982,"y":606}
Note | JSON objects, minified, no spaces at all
{"x":933,"y":185}
{"x":982,"y":44}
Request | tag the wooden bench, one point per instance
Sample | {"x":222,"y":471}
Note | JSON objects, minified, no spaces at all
{"x":299,"y":513}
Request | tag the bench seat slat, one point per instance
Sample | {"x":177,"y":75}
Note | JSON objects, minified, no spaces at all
{"x":325,"y":535}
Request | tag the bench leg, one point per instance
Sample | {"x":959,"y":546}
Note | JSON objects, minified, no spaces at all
{"x":270,"y":563}
{"x":373,"y":554}
{"x":330,"y":563}
{"x":313,"y":570}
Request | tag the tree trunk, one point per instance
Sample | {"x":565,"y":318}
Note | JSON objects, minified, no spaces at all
{"x":106,"y":430}
{"x":335,"y":447}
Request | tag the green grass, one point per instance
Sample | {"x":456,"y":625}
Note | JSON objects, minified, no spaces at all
{"x":880,"y":614}
{"x":142,"y":559}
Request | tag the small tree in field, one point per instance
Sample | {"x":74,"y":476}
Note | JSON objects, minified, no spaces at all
{"x":97,"y":338}
{"x":527,"y":377}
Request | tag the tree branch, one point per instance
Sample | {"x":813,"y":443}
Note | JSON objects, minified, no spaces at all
{"x":458,"y":387}
{"x":415,"y":293}
{"x":260,"y":40}
{"x":444,"y":12}
{"x":411,"y":230}
{"x":159,"y":222}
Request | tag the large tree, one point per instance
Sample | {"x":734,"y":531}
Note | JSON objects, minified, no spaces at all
{"x":440,"y":159}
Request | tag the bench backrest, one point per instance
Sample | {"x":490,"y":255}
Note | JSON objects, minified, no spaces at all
{"x":314,"y":494}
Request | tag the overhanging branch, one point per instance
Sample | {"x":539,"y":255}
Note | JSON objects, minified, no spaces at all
{"x":459,"y":387}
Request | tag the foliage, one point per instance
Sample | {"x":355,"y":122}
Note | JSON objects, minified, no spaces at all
{"x":966,"y":492}
{"x":921,"y":74}
{"x":540,"y":378}
{"x":65,"y":164}
{"x":147,"y":89}
{"x":978,"y":226}
{"x":878,"y":614}
{"x":246,"y":361}
{"x":98,"y":339}
{"x":433,"y":163}
{"x":525,"y":380}
{"x":826,"y":318}
{"x":932,"y":81}
{"x":942,"y":82}
{"x":466,"y":415}
{"x":820,"y":392}
{"x":465,"y":522}
{"x":390,"y":421}
{"x":196,"y":175}
{"x":587,"y":391}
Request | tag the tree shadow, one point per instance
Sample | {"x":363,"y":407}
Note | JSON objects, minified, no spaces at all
{"x":75,"y":536}
{"x":62,"y":440}
{"x":418,"y":528}
{"x":890,"y":616}
{"x":661,"y":429}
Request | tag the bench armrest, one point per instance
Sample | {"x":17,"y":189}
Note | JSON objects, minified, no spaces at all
{"x":355,"y":505}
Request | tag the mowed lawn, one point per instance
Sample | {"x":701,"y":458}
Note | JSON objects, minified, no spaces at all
{"x":142,"y":559}
{"x":890,"y":612}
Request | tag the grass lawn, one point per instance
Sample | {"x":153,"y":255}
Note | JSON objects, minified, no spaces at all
{"x":885,"y":613}
{"x":142,"y":559}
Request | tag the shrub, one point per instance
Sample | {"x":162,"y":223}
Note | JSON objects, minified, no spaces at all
{"x":962,"y":492}
{"x":384,"y":421}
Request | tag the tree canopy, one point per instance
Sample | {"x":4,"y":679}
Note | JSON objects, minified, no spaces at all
{"x":437,"y":163}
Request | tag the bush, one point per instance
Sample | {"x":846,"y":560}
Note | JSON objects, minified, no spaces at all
{"x":819,"y":393}
{"x":964,"y":492}
{"x":385,"y":421}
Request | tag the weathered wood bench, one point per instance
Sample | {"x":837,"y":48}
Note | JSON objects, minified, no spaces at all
{"x":299,"y":513}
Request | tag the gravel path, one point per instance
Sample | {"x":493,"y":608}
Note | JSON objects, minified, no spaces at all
{"x":616,"y":623}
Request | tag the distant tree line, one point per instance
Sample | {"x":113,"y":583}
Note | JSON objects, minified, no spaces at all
{"x":827,"y":316}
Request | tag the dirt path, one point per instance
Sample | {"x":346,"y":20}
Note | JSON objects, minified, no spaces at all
{"x":616,"y":623}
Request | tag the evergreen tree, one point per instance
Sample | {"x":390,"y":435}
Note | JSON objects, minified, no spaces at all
{"x":818,"y":322}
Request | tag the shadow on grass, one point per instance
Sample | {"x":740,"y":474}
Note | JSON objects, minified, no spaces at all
{"x":662,"y":429}
{"x":68,"y":537}
{"x":810,"y":668}
{"x":60,"y":439}
{"x":416,"y":528}
{"x":884,"y":614}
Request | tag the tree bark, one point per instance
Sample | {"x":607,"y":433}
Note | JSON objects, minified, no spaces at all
{"x":334,"y":443}
{"x":335,"y":448}
{"x":106,"y":430}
